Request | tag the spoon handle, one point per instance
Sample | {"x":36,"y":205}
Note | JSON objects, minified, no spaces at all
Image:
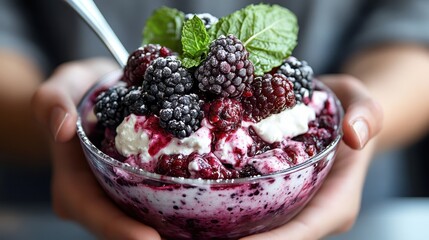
{"x":89,"y":12}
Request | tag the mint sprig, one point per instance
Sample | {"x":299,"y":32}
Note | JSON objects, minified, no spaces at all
{"x":269,"y":33}
{"x":164,"y":27}
{"x":195,"y":42}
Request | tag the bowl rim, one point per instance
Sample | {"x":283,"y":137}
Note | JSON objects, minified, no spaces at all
{"x":86,"y":143}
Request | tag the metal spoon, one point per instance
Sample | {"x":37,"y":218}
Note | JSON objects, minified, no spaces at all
{"x":89,"y":12}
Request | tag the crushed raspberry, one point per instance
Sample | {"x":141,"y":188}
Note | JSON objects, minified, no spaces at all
{"x":259,"y":146}
{"x":209,"y":167}
{"x":173,"y":165}
{"x":292,"y":156}
{"x":318,"y":137}
{"x":225,"y":114}
{"x":327,"y":122}
{"x":206,"y":166}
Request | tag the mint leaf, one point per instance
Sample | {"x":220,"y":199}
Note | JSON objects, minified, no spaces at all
{"x":269,"y":33}
{"x":188,"y":62}
{"x":164,"y":27}
{"x":195,"y":41}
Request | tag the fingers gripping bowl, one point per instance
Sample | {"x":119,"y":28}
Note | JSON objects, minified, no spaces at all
{"x":212,"y":144}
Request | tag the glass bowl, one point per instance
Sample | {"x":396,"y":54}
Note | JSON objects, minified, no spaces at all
{"x":180,"y":208}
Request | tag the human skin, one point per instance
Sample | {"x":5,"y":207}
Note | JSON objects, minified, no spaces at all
{"x":396,"y":76}
{"x":77,"y":196}
{"x":19,"y":79}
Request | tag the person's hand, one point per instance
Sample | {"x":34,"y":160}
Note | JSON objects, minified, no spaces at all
{"x":335,"y":206}
{"x":76,"y":193}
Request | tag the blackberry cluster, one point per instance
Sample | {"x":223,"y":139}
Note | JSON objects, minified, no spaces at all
{"x":181,"y":115}
{"x":208,"y":19}
{"x":227,"y":70}
{"x":139,"y":60}
{"x":269,"y":94}
{"x":225,"y":114}
{"x":163,"y":78}
{"x":109,"y":108}
{"x":134,"y":102}
{"x":114,"y":104}
{"x":301,"y":75}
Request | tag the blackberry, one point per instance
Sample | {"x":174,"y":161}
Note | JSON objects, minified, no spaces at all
{"x":163,"y":78}
{"x":269,"y":94}
{"x":181,"y":115}
{"x":108,"y":108}
{"x":301,"y":75}
{"x":225,"y":114}
{"x":134,"y":102}
{"x":227,"y":70}
{"x":139,"y":60}
{"x":208,"y":19}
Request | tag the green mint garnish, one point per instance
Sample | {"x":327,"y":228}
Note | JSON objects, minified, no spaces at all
{"x":188,"y":62}
{"x":269,"y":33}
{"x":195,"y":42}
{"x":164,"y":27}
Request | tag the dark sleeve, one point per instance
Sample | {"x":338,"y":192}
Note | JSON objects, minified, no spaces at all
{"x":15,"y":34}
{"x":396,"y":21}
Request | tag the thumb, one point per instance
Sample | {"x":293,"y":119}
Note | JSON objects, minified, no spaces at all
{"x":54,"y":102}
{"x":363,"y":116}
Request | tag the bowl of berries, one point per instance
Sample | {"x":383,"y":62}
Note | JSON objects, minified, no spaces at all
{"x":219,"y":134}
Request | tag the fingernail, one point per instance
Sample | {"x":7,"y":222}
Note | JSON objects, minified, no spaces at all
{"x":361,"y":130}
{"x":58,"y":118}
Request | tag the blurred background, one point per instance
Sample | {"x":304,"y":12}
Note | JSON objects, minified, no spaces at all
{"x":395,"y":203}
